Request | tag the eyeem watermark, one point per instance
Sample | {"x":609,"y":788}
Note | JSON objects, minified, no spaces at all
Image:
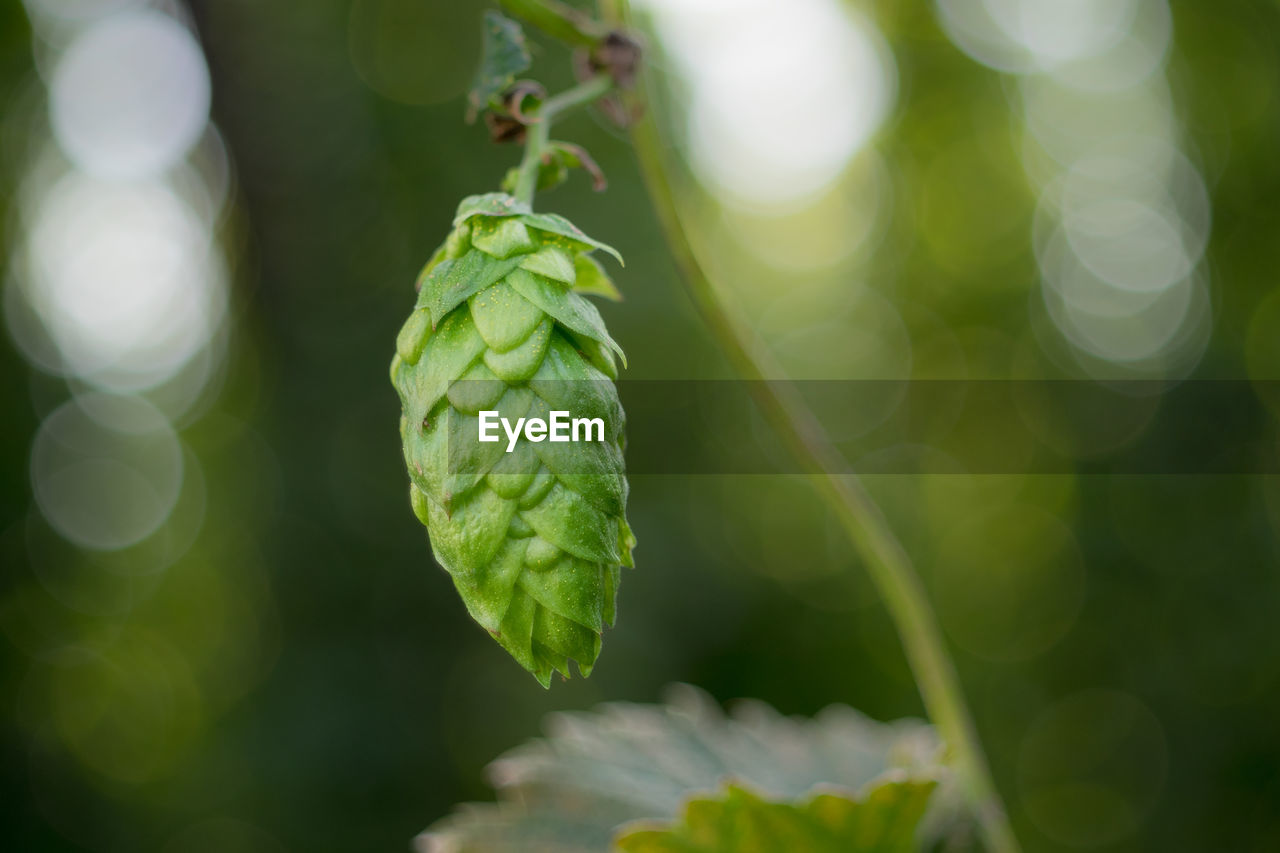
{"x":561,"y":427}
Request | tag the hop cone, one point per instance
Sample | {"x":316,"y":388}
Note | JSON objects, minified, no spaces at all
{"x":534,"y":538}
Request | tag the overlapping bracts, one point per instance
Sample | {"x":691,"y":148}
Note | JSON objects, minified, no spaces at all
{"x":535,"y":538}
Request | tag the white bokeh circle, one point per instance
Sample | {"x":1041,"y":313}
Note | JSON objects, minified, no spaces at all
{"x":124,"y":278}
{"x":130,"y":95}
{"x":782,"y":94}
{"x":106,"y":470}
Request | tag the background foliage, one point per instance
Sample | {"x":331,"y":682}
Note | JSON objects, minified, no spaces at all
{"x":300,"y":676}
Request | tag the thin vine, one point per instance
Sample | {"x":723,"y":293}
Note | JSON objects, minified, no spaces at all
{"x":869,"y":532}
{"x":539,"y":130}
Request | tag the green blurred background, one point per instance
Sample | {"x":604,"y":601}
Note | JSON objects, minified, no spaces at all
{"x":222,"y":626}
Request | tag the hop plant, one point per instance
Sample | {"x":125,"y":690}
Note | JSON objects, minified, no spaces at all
{"x":534,"y":538}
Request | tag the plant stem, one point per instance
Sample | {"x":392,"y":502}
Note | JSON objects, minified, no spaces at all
{"x":536,"y":137}
{"x":538,"y":133}
{"x":583,"y":93}
{"x":869,"y":532}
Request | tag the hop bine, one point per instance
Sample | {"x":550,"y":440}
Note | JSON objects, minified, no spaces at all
{"x":534,"y":539}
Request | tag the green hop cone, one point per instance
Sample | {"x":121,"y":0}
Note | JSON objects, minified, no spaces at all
{"x":533,"y":536}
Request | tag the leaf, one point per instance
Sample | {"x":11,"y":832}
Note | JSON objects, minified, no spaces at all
{"x":622,"y":762}
{"x":572,"y":156}
{"x":501,"y":237}
{"x":553,"y":169}
{"x":504,"y":54}
{"x":575,"y":526}
{"x":453,"y":282}
{"x":556,"y":227}
{"x":554,"y":224}
{"x":436,"y":257}
{"x":489,"y":204}
{"x":568,"y":308}
{"x":593,"y":280}
{"x":554,"y":263}
{"x":882,"y":819}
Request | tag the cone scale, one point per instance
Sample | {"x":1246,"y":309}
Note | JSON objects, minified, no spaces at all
{"x":533,"y":535}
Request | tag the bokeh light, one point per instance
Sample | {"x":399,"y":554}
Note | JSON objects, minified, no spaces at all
{"x":413,"y":52}
{"x":1124,"y":216}
{"x":1091,"y":766}
{"x":782,"y":94}
{"x":136,"y":631}
{"x":219,"y":835}
{"x":75,"y":11}
{"x":106,"y":471}
{"x":1010,"y":582}
{"x":1262,"y":350}
{"x":124,"y":278}
{"x":130,"y":96}
{"x":1031,"y":35}
{"x":130,"y":712}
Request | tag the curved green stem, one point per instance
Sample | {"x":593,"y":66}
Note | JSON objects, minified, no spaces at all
{"x":583,"y":93}
{"x":887,"y":561}
{"x":536,"y":137}
{"x":538,"y":133}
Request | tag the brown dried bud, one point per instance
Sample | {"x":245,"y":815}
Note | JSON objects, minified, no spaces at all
{"x":619,"y":57}
{"x":504,"y":128}
{"x":507,"y":121}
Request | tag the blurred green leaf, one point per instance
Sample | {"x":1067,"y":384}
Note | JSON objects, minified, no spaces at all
{"x":553,"y":170}
{"x":884,"y":819}
{"x":563,"y":156}
{"x":623,"y":762}
{"x":504,"y":54}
